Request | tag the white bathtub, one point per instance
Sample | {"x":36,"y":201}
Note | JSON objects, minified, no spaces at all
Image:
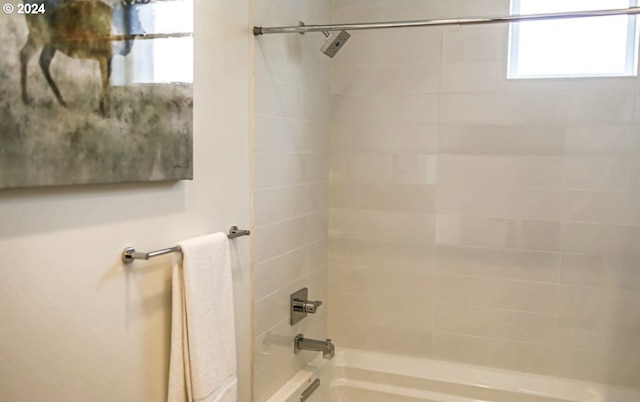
{"x":360,"y":376}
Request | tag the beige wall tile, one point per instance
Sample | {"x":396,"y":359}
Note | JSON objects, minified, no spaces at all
{"x":280,"y":237}
{"x":278,"y":203}
{"x":475,"y":8}
{"x":533,"y":108}
{"x":621,"y":338}
{"x":601,"y":271}
{"x":603,"y":141}
{"x":473,"y":321}
{"x":391,"y":47}
{"x":490,"y":77}
{"x":580,"y":333}
{"x":493,"y":323}
{"x":605,"y":106}
{"x":381,"y":338}
{"x":407,"y":169}
{"x":401,"y":138}
{"x":393,"y":312}
{"x":392,"y":108}
{"x":597,"y":366}
{"x":521,"y":265}
{"x":270,"y":61}
{"x":503,"y":171}
{"x":601,"y":239}
{"x":636,"y":114}
{"x":602,"y":174}
{"x":608,"y":305}
{"x":276,"y":169}
{"x":497,"y":293}
{"x":360,"y":167}
{"x":543,"y":329}
{"x":396,"y":284}
{"x":382,"y":225}
{"x":544,"y":359}
{"x":278,"y":98}
{"x":602,"y":207}
{"x":479,"y":44}
{"x":375,"y":79}
{"x":383,"y":197}
{"x":284,"y":11}
{"x":456,"y":230}
{"x":283,"y":269}
{"x":501,"y":140}
{"x":381,"y":254}
{"x":282,"y":134}
{"x":379,"y":10}
{"x":500,"y":202}
{"x":464,"y":349}
{"x":519,"y":356}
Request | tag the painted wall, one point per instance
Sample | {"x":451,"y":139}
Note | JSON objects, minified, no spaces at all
{"x":76,"y":324}
{"x":290,"y":191}
{"x":477,"y":219}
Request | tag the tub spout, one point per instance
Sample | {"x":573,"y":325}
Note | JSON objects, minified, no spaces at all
{"x":326,"y":347}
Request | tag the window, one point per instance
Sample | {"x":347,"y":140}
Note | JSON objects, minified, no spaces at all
{"x":581,"y":47}
{"x":161,"y":60}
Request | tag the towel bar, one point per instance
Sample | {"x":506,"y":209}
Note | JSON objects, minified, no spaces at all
{"x":129,"y":253}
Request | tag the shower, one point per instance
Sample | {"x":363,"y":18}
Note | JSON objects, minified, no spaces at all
{"x":468,"y":222}
{"x":334,"y":42}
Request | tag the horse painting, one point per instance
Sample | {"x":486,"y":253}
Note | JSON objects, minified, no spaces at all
{"x":83,"y":29}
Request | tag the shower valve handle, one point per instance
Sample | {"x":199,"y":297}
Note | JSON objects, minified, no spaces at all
{"x":306,"y":306}
{"x":301,"y":306}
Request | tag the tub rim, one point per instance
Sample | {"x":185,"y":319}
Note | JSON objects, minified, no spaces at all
{"x":456,"y":373}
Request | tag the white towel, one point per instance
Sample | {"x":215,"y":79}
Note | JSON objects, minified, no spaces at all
{"x":202,"y":364}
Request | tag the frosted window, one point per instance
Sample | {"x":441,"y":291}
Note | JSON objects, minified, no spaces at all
{"x":583,"y":47}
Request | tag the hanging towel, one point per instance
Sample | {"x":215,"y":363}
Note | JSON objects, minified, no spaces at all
{"x":202,"y":365}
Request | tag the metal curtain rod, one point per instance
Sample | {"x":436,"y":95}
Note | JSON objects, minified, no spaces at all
{"x":441,"y":22}
{"x":129,"y":253}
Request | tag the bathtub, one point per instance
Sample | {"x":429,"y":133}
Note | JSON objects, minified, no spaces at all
{"x":361,"y":376}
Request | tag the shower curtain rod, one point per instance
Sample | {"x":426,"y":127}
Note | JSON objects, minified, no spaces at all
{"x":302,"y":28}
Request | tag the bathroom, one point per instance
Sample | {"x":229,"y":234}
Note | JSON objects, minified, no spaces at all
{"x":438,"y":210}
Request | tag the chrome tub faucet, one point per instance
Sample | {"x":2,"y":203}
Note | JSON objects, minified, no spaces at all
{"x":326,"y":347}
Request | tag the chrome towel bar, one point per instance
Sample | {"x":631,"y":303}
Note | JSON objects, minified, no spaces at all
{"x":129,"y":253}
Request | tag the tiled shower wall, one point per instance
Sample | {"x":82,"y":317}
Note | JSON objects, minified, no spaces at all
{"x":290,"y":190}
{"x":477,"y":219}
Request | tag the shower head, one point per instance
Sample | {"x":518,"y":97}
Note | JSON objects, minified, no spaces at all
{"x":334,"y":42}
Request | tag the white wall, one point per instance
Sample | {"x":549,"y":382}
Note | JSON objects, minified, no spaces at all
{"x":477,"y":219}
{"x":76,"y":324}
{"x":290,"y":192}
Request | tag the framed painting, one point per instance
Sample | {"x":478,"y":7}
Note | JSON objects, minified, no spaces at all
{"x":95,"y":91}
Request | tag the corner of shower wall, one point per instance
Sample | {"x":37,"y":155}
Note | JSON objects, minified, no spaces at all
{"x":290,"y":189}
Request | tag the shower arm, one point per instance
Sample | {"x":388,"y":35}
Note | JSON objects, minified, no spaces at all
{"x":301,"y":29}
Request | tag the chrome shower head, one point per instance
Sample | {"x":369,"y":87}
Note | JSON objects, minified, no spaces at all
{"x":334,"y":42}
